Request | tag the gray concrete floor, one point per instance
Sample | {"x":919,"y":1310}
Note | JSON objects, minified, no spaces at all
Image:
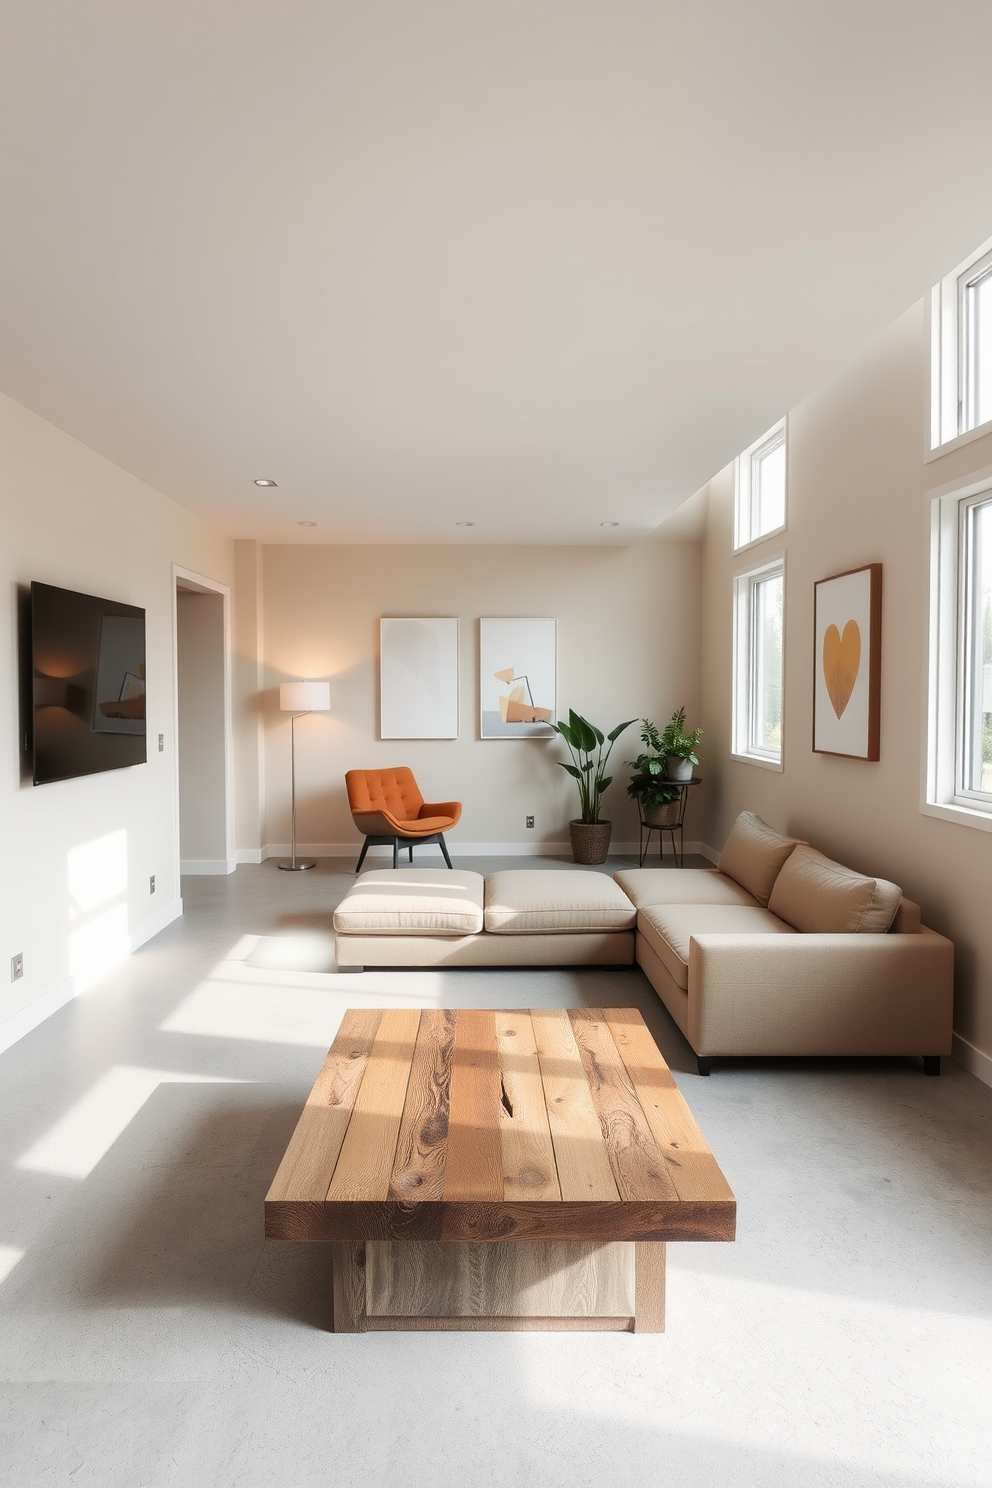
{"x":149,"y":1338}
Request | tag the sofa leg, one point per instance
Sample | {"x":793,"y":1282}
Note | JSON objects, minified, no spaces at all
{"x":931,"y":1064}
{"x":703,"y":1066}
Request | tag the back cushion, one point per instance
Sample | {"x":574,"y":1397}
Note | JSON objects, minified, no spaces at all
{"x":753,"y":855}
{"x":820,"y":896}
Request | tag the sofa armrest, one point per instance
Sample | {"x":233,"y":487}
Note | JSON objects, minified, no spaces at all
{"x":820,"y":994}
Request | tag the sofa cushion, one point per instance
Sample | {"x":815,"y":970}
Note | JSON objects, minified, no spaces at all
{"x":753,"y":854}
{"x":668,"y":927}
{"x":522,"y":901}
{"x":819,"y":896}
{"x":412,"y":901}
{"x":646,"y":886}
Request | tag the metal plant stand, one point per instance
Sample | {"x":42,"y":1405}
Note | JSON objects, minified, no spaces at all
{"x":646,"y":828}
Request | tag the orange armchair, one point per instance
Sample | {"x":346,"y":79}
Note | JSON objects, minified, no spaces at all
{"x":388,"y":807}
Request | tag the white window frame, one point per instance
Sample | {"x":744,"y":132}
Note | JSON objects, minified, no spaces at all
{"x":744,"y":672}
{"x":951,"y":386}
{"x":943,"y":792}
{"x":745,"y":535}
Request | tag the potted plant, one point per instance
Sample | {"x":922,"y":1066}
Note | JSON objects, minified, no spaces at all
{"x":659,"y":802}
{"x":681,"y":750}
{"x":590,"y":837}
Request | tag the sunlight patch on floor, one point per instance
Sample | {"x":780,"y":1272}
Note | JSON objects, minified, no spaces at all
{"x":9,"y":1257}
{"x":73,"y":1146}
{"x":804,"y":1352}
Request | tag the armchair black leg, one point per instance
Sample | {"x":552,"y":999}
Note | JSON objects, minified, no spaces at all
{"x":361,"y":855}
{"x":411,"y":852}
{"x":443,"y":847}
{"x":703,"y":1066}
{"x":396,"y":852}
{"x":931,"y":1064}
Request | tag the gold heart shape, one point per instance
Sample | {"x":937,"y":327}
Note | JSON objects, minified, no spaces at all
{"x":841,"y":663}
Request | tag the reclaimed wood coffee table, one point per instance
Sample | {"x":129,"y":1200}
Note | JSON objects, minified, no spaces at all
{"x":497,"y":1170}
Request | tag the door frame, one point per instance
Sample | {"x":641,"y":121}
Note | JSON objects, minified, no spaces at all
{"x":198,"y":583}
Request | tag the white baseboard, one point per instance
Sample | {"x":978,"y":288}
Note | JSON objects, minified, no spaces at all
{"x":144,"y":932}
{"x":710,"y":853}
{"x":206,"y":867}
{"x":252,"y":854}
{"x":26,"y":1019}
{"x":458,"y":849}
{"x":972,"y":1059}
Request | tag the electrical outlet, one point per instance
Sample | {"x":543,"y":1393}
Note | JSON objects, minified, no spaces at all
{"x":17,"y":966}
{"x":161,"y":743}
{"x":151,"y":884}
{"x":529,"y":820}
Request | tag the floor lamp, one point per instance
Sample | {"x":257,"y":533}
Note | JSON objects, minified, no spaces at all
{"x":297,"y":698}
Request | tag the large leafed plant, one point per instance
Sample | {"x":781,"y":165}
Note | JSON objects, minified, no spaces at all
{"x":590,"y":749}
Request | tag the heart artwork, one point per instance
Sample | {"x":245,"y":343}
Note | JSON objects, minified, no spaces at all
{"x":841,"y":663}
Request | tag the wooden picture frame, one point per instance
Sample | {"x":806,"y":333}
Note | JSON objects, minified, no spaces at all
{"x":847,"y":663}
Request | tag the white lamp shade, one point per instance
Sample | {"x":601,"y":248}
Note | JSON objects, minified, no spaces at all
{"x":304,"y":697}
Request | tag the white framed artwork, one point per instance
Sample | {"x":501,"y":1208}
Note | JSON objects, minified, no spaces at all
{"x":418,"y":679}
{"x":517,"y":678}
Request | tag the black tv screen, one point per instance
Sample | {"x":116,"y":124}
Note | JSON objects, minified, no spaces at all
{"x":87,"y":684}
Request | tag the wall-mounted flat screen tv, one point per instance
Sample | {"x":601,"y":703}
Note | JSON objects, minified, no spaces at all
{"x":87,"y":684}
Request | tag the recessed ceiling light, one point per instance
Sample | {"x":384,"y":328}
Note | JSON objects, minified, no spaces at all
{"x":464,"y":524}
{"x":265,"y":483}
{"x":306,"y":524}
{"x":609,"y":524}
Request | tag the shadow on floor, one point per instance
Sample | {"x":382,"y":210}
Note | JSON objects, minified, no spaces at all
{"x":173,"y":1216}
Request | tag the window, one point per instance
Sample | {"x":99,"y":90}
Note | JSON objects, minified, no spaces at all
{"x":758,"y":600}
{"x":761,"y":488}
{"x":961,"y":350}
{"x":959,"y":756}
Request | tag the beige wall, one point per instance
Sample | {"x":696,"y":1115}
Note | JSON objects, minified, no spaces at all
{"x":857,"y":484}
{"x":78,"y":854}
{"x":627,"y":647}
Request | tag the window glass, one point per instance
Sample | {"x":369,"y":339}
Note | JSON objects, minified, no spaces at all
{"x":975,"y":722}
{"x":766,"y":710}
{"x":768,"y":498}
{"x":761,"y":484}
{"x":758,"y":644}
{"x":977,"y":319}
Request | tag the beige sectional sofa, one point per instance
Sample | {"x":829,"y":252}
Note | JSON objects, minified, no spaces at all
{"x":781,"y":951}
{"x":776,"y":951}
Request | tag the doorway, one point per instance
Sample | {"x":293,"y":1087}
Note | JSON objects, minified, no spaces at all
{"x":203,"y":734}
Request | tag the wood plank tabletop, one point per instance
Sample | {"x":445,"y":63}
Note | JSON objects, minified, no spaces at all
{"x":540,"y":1124}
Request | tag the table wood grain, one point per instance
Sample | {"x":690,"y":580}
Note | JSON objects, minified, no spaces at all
{"x":494,"y":1126}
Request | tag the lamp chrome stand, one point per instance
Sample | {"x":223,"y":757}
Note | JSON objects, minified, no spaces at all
{"x":293,"y":866}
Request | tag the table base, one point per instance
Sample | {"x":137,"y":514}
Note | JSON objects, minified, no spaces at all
{"x":499,"y":1286}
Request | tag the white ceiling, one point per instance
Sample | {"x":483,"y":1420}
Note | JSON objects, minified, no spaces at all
{"x":533,"y":264}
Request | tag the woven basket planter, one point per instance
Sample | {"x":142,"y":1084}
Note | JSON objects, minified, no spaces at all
{"x":590,"y":841}
{"x":665,"y":815}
